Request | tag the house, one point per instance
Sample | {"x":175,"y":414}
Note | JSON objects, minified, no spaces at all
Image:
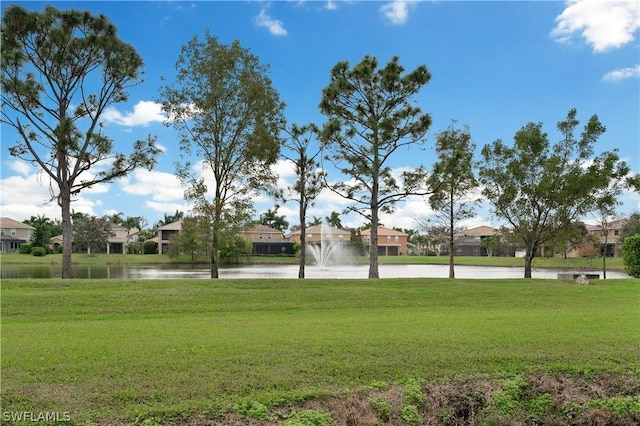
{"x":318,"y":233}
{"x":390,"y":241}
{"x":613,"y":245}
{"x":116,"y":244}
{"x":266,"y":240}
{"x":164,"y":234}
{"x":472,"y":242}
{"x":14,"y":233}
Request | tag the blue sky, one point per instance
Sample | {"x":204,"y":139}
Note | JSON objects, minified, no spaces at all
{"x":495,"y":67}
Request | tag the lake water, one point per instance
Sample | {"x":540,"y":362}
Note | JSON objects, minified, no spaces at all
{"x":277,"y":271}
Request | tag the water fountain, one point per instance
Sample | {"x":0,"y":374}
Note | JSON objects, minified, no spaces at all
{"x":327,"y":251}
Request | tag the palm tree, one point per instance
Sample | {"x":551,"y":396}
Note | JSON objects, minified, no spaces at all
{"x":115,"y":218}
{"x":334,"y":220}
{"x":316,"y":221}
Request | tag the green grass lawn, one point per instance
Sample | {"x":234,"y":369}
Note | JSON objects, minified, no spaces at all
{"x":110,"y":351}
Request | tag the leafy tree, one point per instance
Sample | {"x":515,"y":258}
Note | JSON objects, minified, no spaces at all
{"x":271,"y":218}
{"x":452,"y":182}
{"x":43,"y":230}
{"x":633,"y":182}
{"x":60,"y":71}
{"x":192,"y":239}
{"x":632,"y":226}
{"x":631,"y":255}
{"x":130,"y":223}
{"x":540,"y":188}
{"x":421,"y":242}
{"x":91,"y":233}
{"x":229,"y":118}
{"x":309,"y":179}
{"x":570,"y":238}
{"x":491,"y":243}
{"x":370,"y":117}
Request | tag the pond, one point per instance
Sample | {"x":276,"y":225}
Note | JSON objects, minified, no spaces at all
{"x":277,"y":271}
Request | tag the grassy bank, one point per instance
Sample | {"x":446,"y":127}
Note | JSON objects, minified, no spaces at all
{"x":113,"y":351}
{"x":150,"y":259}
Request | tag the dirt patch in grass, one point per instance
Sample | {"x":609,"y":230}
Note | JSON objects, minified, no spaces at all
{"x":531,"y":399}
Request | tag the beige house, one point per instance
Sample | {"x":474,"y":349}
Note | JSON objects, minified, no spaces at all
{"x":318,"y":233}
{"x":613,"y":245}
{"x":117,"y":243}
{"x":164,"y":234}
{"x":390,"y":241}
{"x":266,"y":240}
{"x":13,"y":233}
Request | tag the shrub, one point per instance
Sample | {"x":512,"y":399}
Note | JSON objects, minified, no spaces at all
{"x":251,"y":409}
{"x":509,"y":399}
{"x":150,"y":247}
{"x":413,"y":393}
{"x":410,"y":414}
{"x":60,"y":248}
{"x":309,"y":418}
{"x":25,"y":248}
{"x":631,"y":255}
{"x":382,"y":407}
{"x":39,"y":251}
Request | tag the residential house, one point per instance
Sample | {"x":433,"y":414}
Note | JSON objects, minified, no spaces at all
{"x":14,"y":233}
{"x":317,"y":234}
{"x":116,"y":244}
{"x":613,"y":245}
{"x":390,"y":241}
{"x":471,"y":242}
{"x":266,"y":240}
{"x":164,"y":234}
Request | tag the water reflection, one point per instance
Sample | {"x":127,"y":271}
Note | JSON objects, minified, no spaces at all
{"x":275,"y":271}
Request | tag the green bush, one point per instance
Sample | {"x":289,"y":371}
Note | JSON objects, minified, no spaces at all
{"x":150,"y":247}
{"x":60,"y":248}
{"x":410,"y":414}
{"x":309,"y":418}
{"x":251,"y":409}
{"x":413,"y":394}
{"x":39,"y":251}
{"x":25,"y":248}
{"x":509,"y":399}
{"x":631,"y":255}
{"x":620,"y":406}
{"x":382,"y":407}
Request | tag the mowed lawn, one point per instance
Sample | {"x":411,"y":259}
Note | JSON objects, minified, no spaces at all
{"x":116,"y":349}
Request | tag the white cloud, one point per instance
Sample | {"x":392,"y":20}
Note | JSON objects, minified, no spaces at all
{"x":330,"y":5}
{"x":604,"y":25}
{"x":26,"y":196}
{"x":143,"y":114}
{"x":397,"y":11}
{"x":160,"y":186}
{"x":622,"y":74}
{"x":275,"y":26}
{"x":22,"y":167}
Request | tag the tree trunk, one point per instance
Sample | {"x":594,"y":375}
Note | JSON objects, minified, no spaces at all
{"x":303,"y":242}
{"x":213,"y":256}
{"x":67,"y":230}
{"x":528,"y":261}
{"x":452,"y":273}
{"x":373,"y":250}
{"x":604,"y":255}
